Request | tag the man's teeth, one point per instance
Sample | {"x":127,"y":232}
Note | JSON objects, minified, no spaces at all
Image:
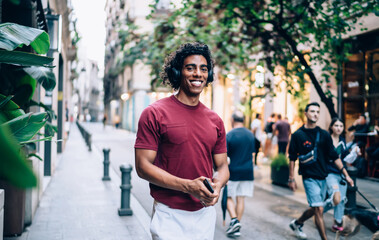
{"x":197,"y":83}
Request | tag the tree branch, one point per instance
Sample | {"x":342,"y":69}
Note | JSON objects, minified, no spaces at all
{"x":328,"y":102}
{"x":280,"y":15}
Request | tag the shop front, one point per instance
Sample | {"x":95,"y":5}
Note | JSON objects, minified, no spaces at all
{"x":360,"y":88}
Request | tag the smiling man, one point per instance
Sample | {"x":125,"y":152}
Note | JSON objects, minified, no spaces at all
{"x":179,"y":141}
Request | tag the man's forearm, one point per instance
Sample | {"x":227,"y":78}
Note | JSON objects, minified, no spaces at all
{"x":222,"y":174}
{"x":160,"y":177}
{"x":292,"y":170}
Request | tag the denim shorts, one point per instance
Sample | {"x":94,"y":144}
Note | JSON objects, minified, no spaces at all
{"x":316,"y":191}
{"x":333,"y":184}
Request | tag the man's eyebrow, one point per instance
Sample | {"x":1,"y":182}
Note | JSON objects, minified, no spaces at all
{"x":194,"y":65}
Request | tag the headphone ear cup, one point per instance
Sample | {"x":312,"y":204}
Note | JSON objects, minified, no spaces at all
{"x":210,"y":76}
{"x":176,"y":73}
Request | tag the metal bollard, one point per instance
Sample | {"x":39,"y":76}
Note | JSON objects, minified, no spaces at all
{"x":126,"y":185}
{"x":351,"y":191}
{"x":106,"y":164}
{"x":89,"y":142}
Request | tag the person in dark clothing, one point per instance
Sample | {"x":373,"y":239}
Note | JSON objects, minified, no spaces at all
{"x":240,"y":144}
{"x":283,"y":131}
{"x":269,"y":125}
{"x":336,"y":187}
{"x":104,"y":120}
{"x":256,"y":129}
{"x":360,"y":127}
{"x":269,"y":132}
{"x":314,"y":148}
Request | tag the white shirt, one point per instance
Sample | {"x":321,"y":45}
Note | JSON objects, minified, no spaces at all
{"x":256,"y":124}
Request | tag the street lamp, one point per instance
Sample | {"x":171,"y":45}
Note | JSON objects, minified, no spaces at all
{"x":54,"y":26}
{"x":54,"y":29}
{"x":124,"y":96}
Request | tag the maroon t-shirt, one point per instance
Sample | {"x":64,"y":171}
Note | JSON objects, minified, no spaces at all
{"x":185,"y":139}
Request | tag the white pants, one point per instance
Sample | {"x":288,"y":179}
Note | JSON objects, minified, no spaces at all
{"x":168,"y":223}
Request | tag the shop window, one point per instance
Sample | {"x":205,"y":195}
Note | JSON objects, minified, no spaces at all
{"x":353,"y":88}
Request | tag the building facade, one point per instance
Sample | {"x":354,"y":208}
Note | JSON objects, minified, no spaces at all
{"x":53,"y":17}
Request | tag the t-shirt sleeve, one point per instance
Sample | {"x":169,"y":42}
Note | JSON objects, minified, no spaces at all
{"x":148,"y":136}
{"x":220,"y":146}
{"x":292,"y":149}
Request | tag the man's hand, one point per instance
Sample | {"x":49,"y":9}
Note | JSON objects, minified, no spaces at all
{"x":292,"y":185}
{"x":197,"y":189}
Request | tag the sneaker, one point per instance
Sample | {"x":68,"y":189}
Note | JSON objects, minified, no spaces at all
{"x":336,"y":228}
{"x":298,"y":229}
{"x":235,"y":234}
{"x":234,"y":226}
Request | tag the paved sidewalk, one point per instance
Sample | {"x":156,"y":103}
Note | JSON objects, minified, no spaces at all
{"x":77,"y":204}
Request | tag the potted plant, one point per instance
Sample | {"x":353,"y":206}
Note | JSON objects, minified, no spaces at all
{"x":280,"y":170}
{"x":20,"y":71}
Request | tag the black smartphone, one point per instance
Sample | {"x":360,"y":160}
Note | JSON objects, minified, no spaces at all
{"x":208,"y":185}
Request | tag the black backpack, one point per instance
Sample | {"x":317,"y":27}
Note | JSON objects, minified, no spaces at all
{"x":268,"y":127}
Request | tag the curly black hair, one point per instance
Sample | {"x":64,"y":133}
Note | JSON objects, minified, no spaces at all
{"x":176,"y":60}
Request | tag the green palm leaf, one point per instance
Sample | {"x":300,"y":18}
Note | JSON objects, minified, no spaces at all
{"x":13,"y":166}
{"x":13,"y":35}
{"x":26,"y":126}
{"x":43,"y":75}
{"x":24,"y":58}
{"x":9,"y":109}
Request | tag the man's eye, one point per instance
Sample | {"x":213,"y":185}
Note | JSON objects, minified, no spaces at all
{"x":204,"y":69}
{"x":189,"y":68}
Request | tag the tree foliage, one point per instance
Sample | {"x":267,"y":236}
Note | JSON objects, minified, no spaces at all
{"x":295,"y":34}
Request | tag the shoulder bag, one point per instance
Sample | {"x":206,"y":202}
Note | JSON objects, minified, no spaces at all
{"x":311,"y":157}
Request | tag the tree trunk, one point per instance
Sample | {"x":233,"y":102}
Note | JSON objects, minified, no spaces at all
{"x":327,"y":101}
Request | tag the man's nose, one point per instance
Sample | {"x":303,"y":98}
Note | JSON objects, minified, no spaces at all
{"x":196,"y":72}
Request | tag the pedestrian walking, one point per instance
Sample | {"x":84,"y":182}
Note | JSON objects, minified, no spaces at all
{"x":283,"y":131}
{"x":269,"y":133}
{"x":179,"y":142}
{"x":313,"y":147}
{"x":241,"y":146}
{"x":104,"y":121}
{"x":256,"y":129}
{"x":336,"y":186}
{"x":117,"y":121}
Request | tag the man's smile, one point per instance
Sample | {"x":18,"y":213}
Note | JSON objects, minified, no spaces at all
{"x":196,"y":83}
